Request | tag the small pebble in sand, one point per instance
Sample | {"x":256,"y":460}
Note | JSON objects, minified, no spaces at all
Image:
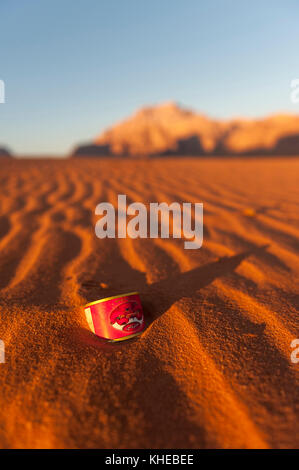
{"x":249,"y":212}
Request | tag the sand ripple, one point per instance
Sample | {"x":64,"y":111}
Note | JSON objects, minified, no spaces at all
{"x":213,"y":367}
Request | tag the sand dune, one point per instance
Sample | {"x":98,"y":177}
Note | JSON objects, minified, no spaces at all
{"x":213,"y":367}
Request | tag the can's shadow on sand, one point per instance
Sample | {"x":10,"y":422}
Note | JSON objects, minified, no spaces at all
{"x":157,"y":298}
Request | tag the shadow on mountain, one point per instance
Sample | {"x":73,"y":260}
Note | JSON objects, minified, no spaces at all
{"x":190,"y":146}
{"x":91,"y":150}
{"x":288,"y":145}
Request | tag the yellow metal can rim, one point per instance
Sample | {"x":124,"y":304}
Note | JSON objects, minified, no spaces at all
{"x":110,"y":298}
{"x":125,"y":337}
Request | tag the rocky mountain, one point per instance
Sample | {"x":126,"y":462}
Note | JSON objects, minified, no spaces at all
{"x":169,"y":129}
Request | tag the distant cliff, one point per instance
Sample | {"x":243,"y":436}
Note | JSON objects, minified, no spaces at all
{"x":5,"y":152}
{"x":169,"y":129}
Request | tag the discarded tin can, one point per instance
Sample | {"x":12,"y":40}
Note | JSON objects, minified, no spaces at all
{"x":116,"y":318}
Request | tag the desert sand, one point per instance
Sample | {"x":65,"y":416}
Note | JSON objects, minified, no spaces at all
{"x":212,"y":369}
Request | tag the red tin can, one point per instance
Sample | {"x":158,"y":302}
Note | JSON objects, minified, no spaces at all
{"x":116,"y":318}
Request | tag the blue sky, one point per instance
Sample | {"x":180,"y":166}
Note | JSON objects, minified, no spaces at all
{"x":72,"y":68}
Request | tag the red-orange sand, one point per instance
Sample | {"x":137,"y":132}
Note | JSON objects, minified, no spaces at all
{"x":212,"y":369}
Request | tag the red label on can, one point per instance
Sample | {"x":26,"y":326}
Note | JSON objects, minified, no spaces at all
{"x":116,"y":317}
